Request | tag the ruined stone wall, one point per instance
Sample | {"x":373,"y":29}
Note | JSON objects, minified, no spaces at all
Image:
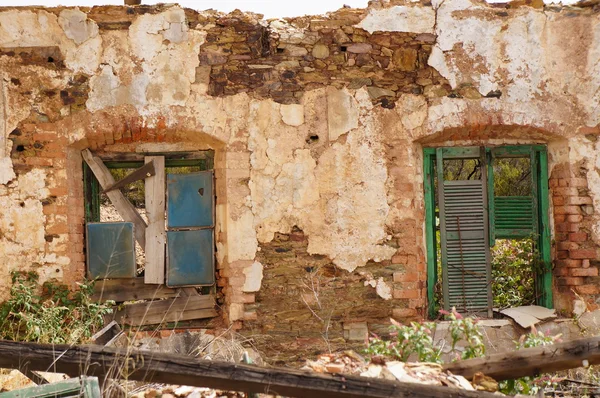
{"x":318,"y":126}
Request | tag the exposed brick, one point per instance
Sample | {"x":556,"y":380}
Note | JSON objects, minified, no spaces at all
{"x":585,"y":263}
{"x":578,"y":237}
{"x":558,"y":200}
{"x":406,"y":276}
{"x":567,"y":210}
{"x":567,"y":246}
{"x":574,"y":218}
{"x":558,"y":218}
{"x":574,"y":227}
{"x":399,"y":313}
{"x":584,"y":271}
{"x":578,"y":200}
{"x":400,"y":259}
{"x":562,"y":254}
{"x":405,"y":294}
{"x":578,"y":182}
{"x":561,"y":271}
{"x":570,"y":263}
{"x":562,"y":227}
{"x":570,"y":281}
{"x":582,"y":253}
{"x":588,"y":289}
{"x":564,"y":191}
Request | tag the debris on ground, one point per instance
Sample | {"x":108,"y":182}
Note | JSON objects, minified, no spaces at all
{"x":349,"y":362}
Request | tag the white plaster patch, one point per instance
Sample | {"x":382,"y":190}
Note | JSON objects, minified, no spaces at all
{"x":76,"y":25}
{"x":254,"y":275}
{"x":415,"y":19}
{"x":33,"y":185}
{"x":342,"y":112}
{"x":6,"y":170}
{"x":383,"y":289}
{"x":293,"y":114}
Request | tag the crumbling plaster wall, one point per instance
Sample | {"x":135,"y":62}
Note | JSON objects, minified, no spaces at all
{"x":318,"y":125}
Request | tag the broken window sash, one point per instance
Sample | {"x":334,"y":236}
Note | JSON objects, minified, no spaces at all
{"x":110,"y":250}
{"x":123,"y":206}
{"x":154,"y":272}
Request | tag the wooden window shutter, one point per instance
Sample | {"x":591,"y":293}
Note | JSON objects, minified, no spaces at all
{"x":464,"y":236}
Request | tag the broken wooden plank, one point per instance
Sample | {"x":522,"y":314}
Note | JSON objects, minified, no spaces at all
{"x":106,"y":334}
{"x":169,"y":310}
{"x":154,"y":272}
{"x":155,"y":367}
{"x":532,"y":361}
{"x":123,"y":206}
{"x":120,"y":290}
{"x":143,"y":172}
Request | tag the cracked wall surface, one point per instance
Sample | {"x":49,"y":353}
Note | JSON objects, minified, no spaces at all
{"x":317,"y":124}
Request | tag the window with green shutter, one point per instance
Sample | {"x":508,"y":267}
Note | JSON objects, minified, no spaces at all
{"x":474,"y":196}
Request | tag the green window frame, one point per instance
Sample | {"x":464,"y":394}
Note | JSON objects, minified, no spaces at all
{"x":539,"y":215}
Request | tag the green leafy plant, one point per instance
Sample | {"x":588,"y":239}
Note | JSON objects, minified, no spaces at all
{"x":57,"y":315}
{"x":416,"y":339}
{"x":531,"y":385}
{"x":513,"y":273}
{"x":465,"y":330}
{"x":407,"y":340}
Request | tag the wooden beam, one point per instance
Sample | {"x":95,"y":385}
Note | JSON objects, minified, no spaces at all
{"x":121,"y":290}
{"x":123,"y":206}
{"x":165,"y":311}
{"x":139,"y":157}
{"x":143,"y":172}
{"x":531,"y":361}
{"x":156,"y":237}
{"x":155,"y":367}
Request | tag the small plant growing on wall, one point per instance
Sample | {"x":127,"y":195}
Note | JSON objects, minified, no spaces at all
{"x":56,"y":316}
{"x":416,"y":339}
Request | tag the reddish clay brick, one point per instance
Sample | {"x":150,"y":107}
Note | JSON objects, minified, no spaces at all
{"x":553,"y":183}
{"x":570,"y":281}
{"x":570,"y":263}
{"x":562,"y":271}
{"x":578,"y":237}
{"x":562,"y":254}
{"x":574,"y":227}
{"x":406,"y":276}
{"x":579,"y":200}
{"x":399,"y":259}
{"x":567,"y":246}
{"x":585,"y":263}
{"x":558,"y":218}
{"x":406,"y":294}
{"x":564,"y":191}
{"x":578,"y":182}
{"x":40,"y":162}
{"x":584,"y":271}
{"x":588,"y":289}
{"x":562,"y":227}
{"x":582,"y":253}
{"x":399,"y":313}
{"x":574,"y":218}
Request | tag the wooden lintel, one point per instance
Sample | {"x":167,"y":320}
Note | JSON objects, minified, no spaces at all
{"x":143,"y":172}
{"x":532,"y":361}
{"x":139,"y":157}
{"x":157,"y":367}
{"x":165,"y":311}
{"x":123,"y":206}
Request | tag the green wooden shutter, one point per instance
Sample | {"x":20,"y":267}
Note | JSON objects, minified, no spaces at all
{"x":464,"y":236}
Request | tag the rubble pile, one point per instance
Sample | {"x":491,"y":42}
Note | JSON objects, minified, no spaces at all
{"x":350,"y":362}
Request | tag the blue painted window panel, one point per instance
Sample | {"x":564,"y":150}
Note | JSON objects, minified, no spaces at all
{"x":190,"y":200}
{"x":190,"y":258}
{"x":110,"y":250}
